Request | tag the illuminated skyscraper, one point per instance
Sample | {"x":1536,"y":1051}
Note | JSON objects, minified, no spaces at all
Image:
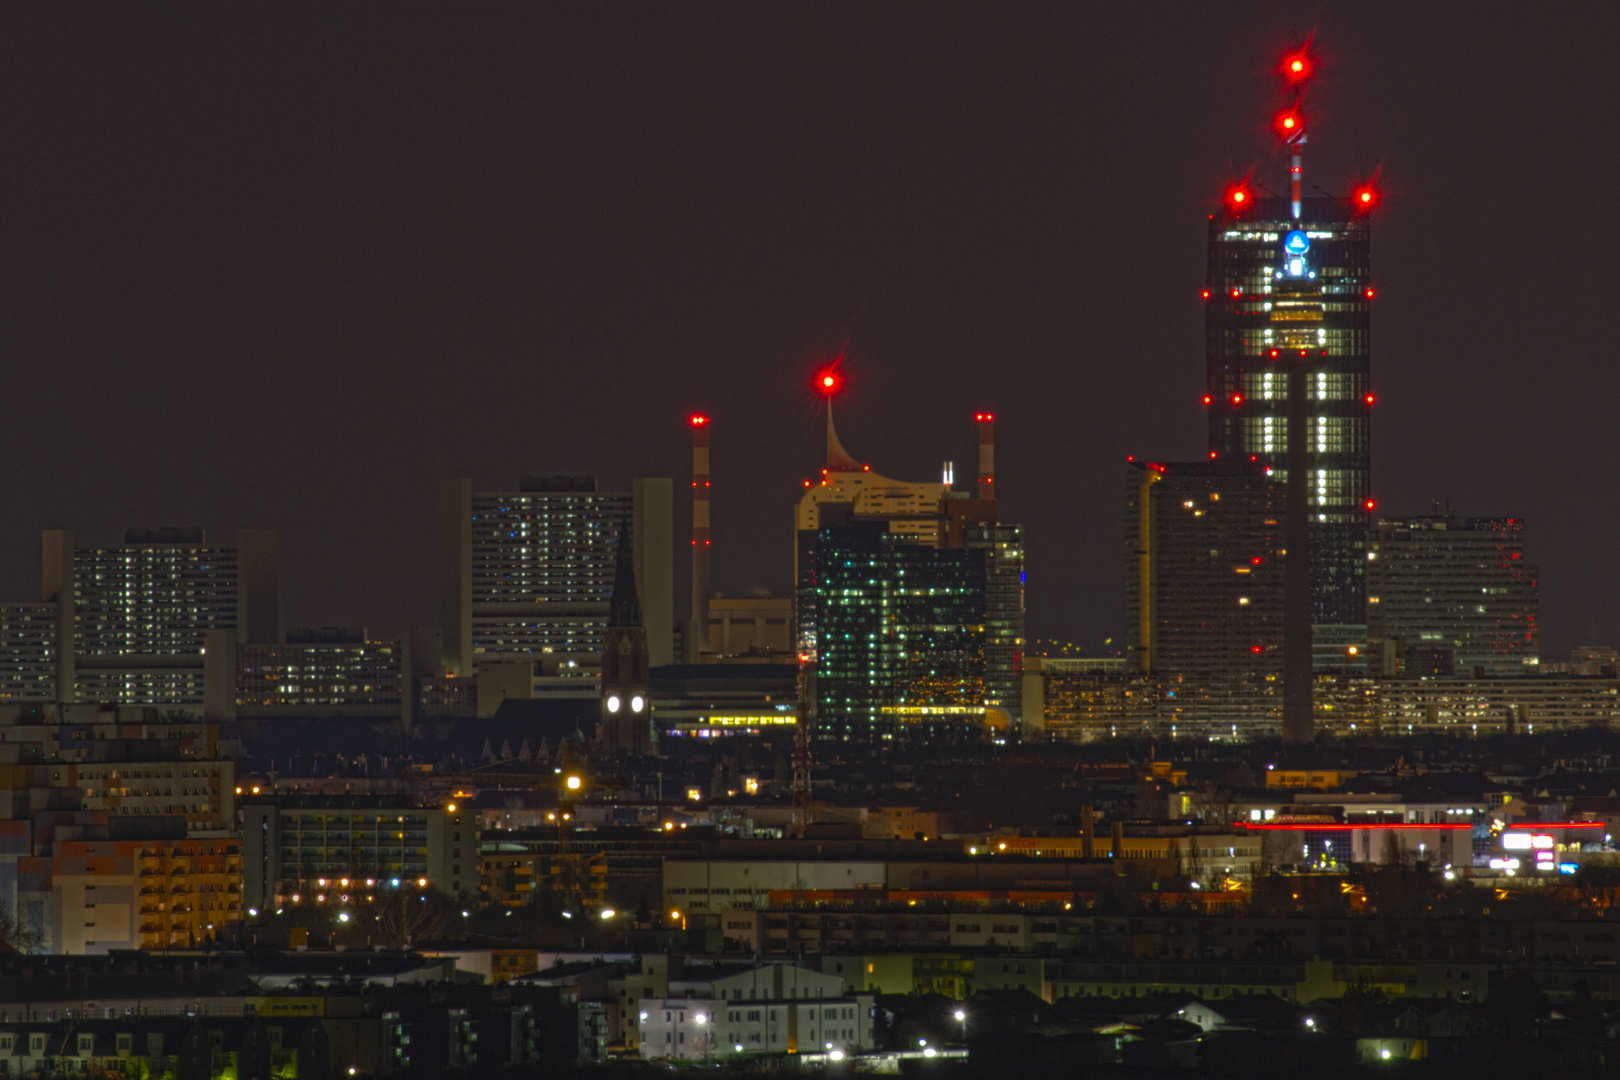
{"x":910,"y":602}
{"x":1290,"y":290}
{"x":133,"y":621}
{"x":1286,"y":293}
{"x":526,"y":576}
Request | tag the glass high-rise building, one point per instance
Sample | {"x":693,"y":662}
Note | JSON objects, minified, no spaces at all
{"x":914,"y":641}
{"x":1287,"y":293}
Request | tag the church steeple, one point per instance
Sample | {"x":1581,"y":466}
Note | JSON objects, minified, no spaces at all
{"x":626,"y":716}
{"x":625,"y":609}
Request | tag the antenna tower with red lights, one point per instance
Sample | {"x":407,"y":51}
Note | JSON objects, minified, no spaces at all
{"x":1287,"y":316}
{"x":1291,"y":124}
{"x":701,"y":588}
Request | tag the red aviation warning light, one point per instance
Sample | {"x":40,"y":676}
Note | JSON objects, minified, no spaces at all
{"x":1296,"y":67}
{"x":1370,"y":504}
{"x":1369,"y":399}
{"x":1238,"y":198}
{"x":1290,"y":125}
{"x":699,"y":421}
{"x":829,"y":380}
{"x":1365,"y":198}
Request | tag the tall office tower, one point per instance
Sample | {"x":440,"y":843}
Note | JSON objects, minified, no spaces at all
{"x":1002,"y":548}
{"x":911,"y":604}
{"x":1452,"y":595}
{"x":625,"y":723}
{"x":526,"y":576}
{"x":1204,"y":588}
{"x":909,"y":509}
{"x":1287,"y":337}
{"x":916,"y":641}
{"x":1291,"y":295}
{"x":133,"y":621}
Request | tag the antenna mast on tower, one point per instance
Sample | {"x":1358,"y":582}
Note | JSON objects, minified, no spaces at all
{"x":1291,"y":124}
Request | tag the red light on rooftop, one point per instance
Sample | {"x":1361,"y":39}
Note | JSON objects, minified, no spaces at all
{"x":1369,"y":399}
{"x":1370,"y":504}
{"x":1290,"y":125}
{"x":866,"y":468}
{"x":1206,"y":294}
{"x":1207,"y":399}
{"x":699,"y":421}
{"x":1212,"y":455}
{"x":1366,"y":198}
{"x":829,"y":380}
{"x":1238,"y":197}
{"x":1369,"y":294}
{"x":1296,"y":66}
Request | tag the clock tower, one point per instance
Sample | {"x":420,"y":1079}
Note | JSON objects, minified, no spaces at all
{"x":626,"y":717}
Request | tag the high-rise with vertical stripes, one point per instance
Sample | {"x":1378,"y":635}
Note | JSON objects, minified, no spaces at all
{"x":1286,"y":294}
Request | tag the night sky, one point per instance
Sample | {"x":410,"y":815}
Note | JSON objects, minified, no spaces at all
{"x":262,"y":267}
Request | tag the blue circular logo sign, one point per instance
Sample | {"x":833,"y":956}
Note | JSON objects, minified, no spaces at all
{"x":1296,"y":243}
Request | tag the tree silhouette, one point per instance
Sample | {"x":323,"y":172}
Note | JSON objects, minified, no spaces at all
{"x":405,"y":918}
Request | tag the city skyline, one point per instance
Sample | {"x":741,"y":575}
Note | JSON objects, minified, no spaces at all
{"x":274,"y":336}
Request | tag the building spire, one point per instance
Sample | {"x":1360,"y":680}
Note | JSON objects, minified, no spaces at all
{"x":838,"y":459}
{"x":1291,"y":124}
{"x":625,"y":609}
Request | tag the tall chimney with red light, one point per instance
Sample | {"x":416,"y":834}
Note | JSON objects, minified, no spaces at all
{"x":700,"y":537}
{"x":987,"y":455}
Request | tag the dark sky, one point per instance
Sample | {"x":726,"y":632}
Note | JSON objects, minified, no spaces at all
{"x":261,"y":267}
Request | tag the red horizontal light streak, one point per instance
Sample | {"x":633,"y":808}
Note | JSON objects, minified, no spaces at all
{"x":1319,"y":827}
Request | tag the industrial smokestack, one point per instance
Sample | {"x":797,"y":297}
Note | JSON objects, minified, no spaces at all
{"x":987,"y":455}
{"x":700,"y":535}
